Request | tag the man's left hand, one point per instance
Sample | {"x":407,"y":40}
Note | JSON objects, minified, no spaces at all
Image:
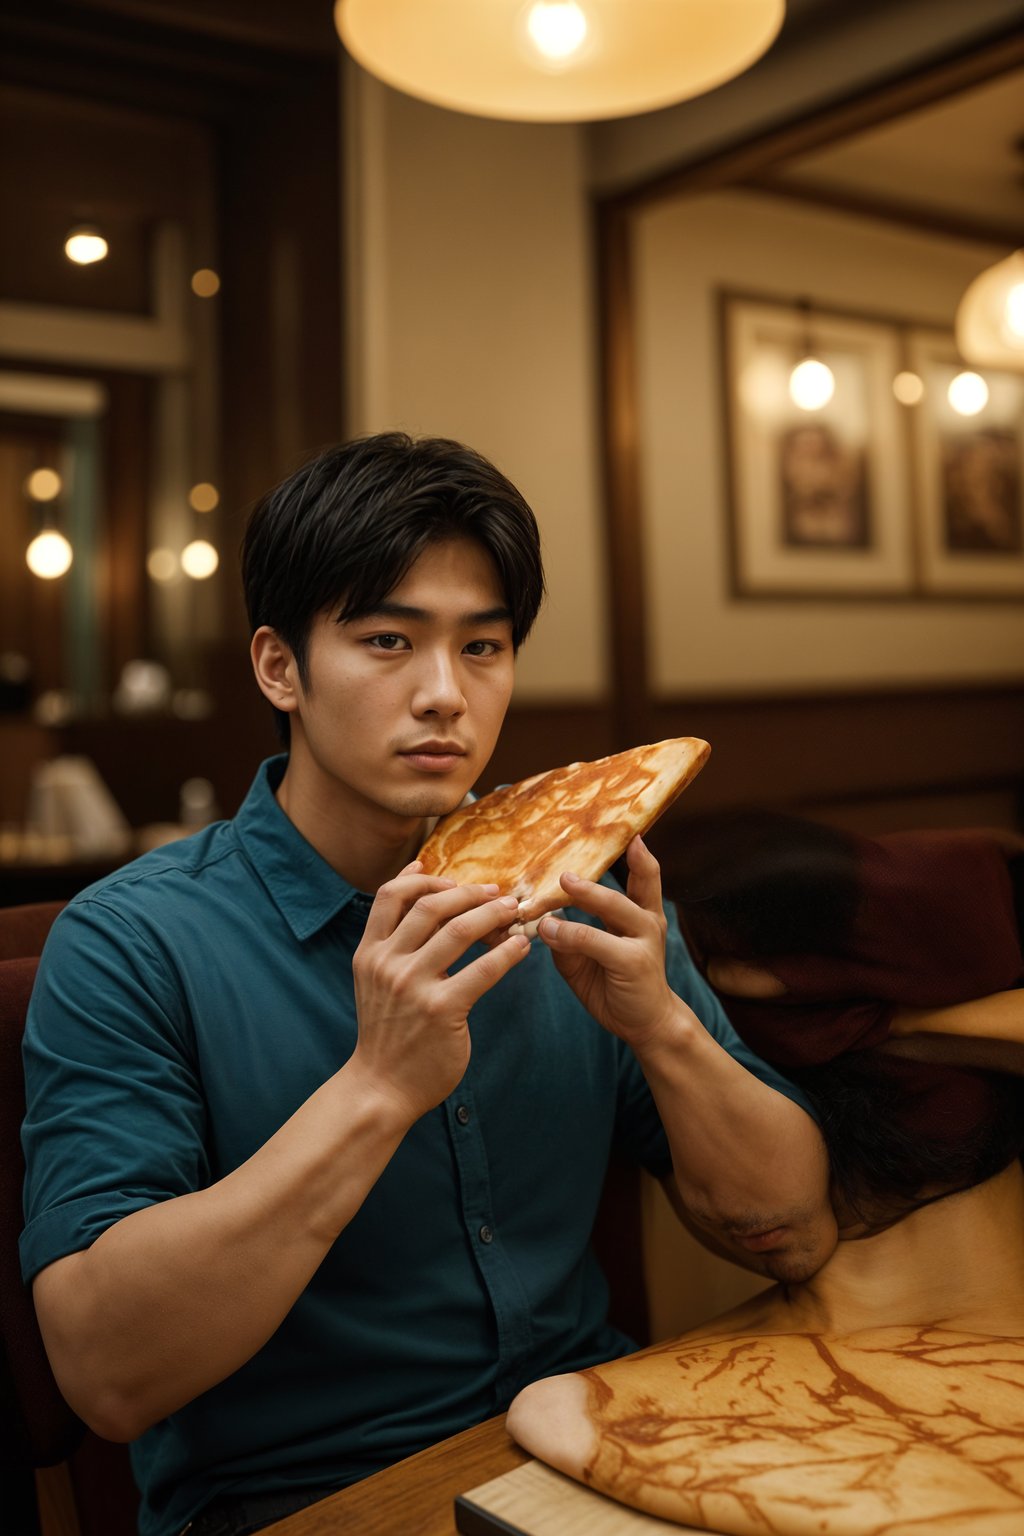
{"x":618,"y":971}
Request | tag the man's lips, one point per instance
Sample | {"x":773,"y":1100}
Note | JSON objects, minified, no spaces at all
{"x":760,"y":1242}
{"x":434,"y":756}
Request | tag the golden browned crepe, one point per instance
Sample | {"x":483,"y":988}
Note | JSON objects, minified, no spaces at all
{"x":579,"y":818}
{"x":891,"y":1431}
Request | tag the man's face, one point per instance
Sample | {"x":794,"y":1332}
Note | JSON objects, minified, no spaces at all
{"x":403,"y":706}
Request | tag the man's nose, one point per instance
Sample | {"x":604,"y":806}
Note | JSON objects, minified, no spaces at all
{"x":439,"y":691}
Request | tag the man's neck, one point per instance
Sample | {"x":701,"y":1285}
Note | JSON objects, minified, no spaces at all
{"x":363,"y":843}
{"x":958,"y":1261}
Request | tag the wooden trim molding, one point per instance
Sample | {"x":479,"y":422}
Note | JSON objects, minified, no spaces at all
{"x":633,"y":716}
{"x":867,"y":108}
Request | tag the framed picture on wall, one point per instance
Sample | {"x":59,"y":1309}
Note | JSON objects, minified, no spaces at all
{"x":817,"y":455}
{"x":968,"y":435}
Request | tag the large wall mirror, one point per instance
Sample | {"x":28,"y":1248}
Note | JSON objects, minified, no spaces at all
{"x":148,"y":397}
{"x":840,"y":579}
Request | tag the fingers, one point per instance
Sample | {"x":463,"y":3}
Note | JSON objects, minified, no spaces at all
{"x":479,"y":976}
{"x":579,"y":939}
{"x":435,"y":910}
{"x":644,"y":884}
{"x":395,"y":898}
{"x":622,"y":914}
{"x":738,"y":979}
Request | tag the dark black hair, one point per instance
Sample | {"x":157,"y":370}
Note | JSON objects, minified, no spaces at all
{"x":344,"y":530}
{"x":756,"y":883}
{"x":883,"y":1164}
{"x":752,"y":884}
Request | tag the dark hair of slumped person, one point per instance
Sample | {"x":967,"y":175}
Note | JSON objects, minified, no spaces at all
{"x":753,"y":885}
{"x":345,"y":529}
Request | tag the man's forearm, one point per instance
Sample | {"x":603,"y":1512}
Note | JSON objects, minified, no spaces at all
{"x":747,"y":1161}
{"x":174,"y":1298}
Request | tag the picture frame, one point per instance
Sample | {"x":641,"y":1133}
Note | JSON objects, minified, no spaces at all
{"x":819,"y":498}
{"x":968,"y":476}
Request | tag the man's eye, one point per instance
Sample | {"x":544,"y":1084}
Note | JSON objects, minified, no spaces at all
{"x":481,"y":647}
{"x":388,"y":642}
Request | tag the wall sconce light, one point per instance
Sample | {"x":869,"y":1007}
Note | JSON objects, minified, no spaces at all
{"x":199,"y":559}
{"x":812,"y":382}
{"x":990,"y":316}
{"x":49,"y":555}
{"x":85,"y":244}
{"x":908,"y":387}
{"x":205,"y":283}
{"x":556,"y":60}
{"x":967,"y":393}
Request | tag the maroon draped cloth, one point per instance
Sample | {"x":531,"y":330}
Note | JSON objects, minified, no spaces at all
{"x":933,"y":924}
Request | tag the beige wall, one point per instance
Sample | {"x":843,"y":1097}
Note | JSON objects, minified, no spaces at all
{"x":469,"y":307}
{"x":702,"y":640}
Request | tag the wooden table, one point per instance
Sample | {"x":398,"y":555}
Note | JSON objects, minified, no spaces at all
{"x":415,"y":1497}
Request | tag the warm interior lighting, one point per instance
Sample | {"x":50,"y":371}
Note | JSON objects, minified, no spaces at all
{"x":162,"y":564}
{"x":557,"y":28}
{"x":49,"y":555}
{"x":556,"y":60}
{"x":205,"y":283}
{"x":199,"y":559}
{"x":990,"y":316}
{"x":811,"y":384}
{"x":43,"y":485}
{"x":1014,"y":311}
{"x":968,"y":393}
{"x":203,"y":497}
{"x":908,"y":387}
{"x":85,"y":245}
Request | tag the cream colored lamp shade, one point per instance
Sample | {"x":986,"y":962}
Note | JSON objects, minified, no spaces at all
{"x":990,"y":316}
{"x":556,"y":60}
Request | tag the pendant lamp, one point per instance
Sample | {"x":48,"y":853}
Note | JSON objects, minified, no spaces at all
{"x":556,"y":60}
{"x":990,"y":316}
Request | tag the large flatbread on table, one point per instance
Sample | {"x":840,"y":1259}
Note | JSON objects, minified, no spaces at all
{"x":579,"y":818}
{"x":910,"y":1430}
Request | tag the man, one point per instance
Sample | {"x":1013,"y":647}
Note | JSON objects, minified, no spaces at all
{"x":290,"y":1215}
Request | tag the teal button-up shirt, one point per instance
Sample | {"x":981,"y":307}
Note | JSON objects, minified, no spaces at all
{"x":185,"y":1007}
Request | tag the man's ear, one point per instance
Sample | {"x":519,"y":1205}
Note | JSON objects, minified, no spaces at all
{"x":276,"y":672}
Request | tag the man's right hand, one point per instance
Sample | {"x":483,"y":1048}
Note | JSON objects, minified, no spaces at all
{"x":414,"y":1042}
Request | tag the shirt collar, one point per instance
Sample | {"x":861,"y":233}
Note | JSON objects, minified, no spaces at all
{"x":305,"y":889}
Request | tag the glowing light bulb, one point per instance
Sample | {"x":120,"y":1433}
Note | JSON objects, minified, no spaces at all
{"x":203,"y":497}
{"x":968,"y":394}
{"x":199,"y":559}
{"x":162,"y":564}
{"x":49,"y":555}
{"x":811,"y":384}
{"x":84,"y":246}
{"x":557,"y":28}
{"x":44,"y":485}
{"x":908,"y":388}
{"x":205,"y":283}
{"x":1013,"y":311}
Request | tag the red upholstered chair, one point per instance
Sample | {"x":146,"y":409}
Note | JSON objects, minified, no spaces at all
{"x":37,"y":1428}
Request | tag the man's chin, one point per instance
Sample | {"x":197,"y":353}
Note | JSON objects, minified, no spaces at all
{"x":429,"y":803}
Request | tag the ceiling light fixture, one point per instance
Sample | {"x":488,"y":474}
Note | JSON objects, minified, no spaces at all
{"x":85,"y":245}
{"x":990,"y":316}
{"x":556,"y":60}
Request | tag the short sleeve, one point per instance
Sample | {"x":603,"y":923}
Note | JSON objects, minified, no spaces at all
{"x":115,"y":1118}
{"x":639,"y":1132}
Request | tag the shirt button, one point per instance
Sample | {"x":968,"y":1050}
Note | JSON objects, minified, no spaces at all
{"x":486,"y":1235}
{"x":462,"y":1115}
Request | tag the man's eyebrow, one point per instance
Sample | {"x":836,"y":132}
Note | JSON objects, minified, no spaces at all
{"x":386,"y":610}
